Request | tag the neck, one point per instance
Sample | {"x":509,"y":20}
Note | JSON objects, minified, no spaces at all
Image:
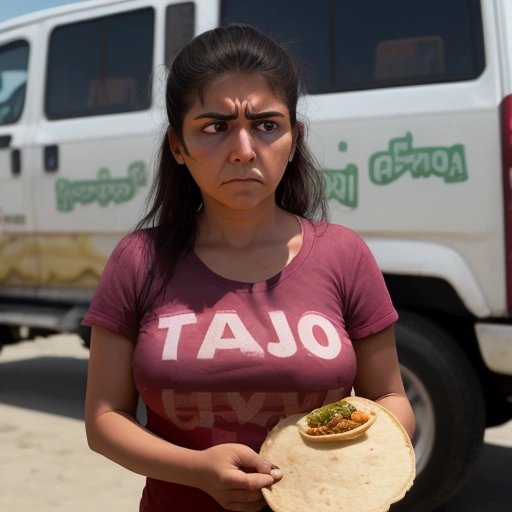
{"x":242,"y":229}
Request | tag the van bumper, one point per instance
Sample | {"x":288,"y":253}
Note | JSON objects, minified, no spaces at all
{"x":495,"y":342}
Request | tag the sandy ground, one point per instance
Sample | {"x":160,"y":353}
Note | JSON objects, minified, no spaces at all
{"x":45,"y":464}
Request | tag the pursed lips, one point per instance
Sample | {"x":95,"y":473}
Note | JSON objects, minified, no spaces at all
{"x":244,"y":179}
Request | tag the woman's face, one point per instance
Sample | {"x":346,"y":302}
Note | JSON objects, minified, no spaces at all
{"x":238,"y":140}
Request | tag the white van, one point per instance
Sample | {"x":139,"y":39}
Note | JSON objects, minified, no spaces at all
{"x":410,"y":111}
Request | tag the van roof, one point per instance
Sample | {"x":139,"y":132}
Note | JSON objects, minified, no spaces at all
{"x":27,"y":19}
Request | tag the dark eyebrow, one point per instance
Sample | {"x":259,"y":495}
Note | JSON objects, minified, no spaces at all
{"x":252,"y":116}
{"x":217,"y":115}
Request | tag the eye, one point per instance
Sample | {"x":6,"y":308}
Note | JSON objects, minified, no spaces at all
{"x":267,"y":126}
{"x":216,"y":127}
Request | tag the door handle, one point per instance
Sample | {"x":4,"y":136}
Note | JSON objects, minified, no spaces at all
{"x":15,"y":157}
{"x":51,"y":158}
{"x":5,"y":141}
{"x":16,"y":162}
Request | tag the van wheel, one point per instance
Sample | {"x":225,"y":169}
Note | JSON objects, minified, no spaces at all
{"x":449,"y":406}
{"x":8,"y":335}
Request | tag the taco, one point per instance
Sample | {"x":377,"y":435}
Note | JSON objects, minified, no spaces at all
{"x":336,"y":422}
{"x":367,"y":473}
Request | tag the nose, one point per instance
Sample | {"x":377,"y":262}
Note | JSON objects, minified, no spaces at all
{"x":242,"y":150}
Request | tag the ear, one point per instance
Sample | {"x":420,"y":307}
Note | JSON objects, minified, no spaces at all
{"x":175,"y":145}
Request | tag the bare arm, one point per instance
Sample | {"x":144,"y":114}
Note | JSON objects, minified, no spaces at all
{"x":113,"y":431}
{"x":378,"y":376}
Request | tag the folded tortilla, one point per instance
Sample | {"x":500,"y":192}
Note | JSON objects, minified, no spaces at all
{"x":366,"y":474}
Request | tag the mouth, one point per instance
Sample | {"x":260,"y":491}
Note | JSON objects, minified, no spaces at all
{"x":242,"y":180}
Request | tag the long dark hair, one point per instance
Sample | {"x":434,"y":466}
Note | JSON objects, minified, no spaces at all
{"x":175,"y":198}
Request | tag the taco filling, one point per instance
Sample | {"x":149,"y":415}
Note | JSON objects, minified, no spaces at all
{"x":334,"y":419}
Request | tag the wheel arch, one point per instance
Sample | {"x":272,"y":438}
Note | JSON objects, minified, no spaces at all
{"x":411,"y":265}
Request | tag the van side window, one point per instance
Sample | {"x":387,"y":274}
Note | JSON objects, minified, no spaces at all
{"x":13,"y":80}
{"x":346,"y":45}
{"x":179,"y":28}
{"x":100,"y":66}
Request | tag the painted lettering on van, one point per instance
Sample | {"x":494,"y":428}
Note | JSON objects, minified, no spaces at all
{"x":448,"y":163}
{"x":103,"y":190}
{"x":342,"y":184}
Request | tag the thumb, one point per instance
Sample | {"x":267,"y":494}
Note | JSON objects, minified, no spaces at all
{"x":252,"y":462}
{"x":268,"y":468}
{"x":256,"y":481}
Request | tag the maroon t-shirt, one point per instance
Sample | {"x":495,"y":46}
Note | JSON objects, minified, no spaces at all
{"x":218,"y":360}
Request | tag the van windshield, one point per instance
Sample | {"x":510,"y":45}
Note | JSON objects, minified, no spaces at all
{"x":13,"y":80}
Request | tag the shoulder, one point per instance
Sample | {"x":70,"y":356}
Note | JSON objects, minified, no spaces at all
{"x":133,"y":247}
{"x":337,"y":236}
{"x":134,"y":241}
{"x":339,"y":247}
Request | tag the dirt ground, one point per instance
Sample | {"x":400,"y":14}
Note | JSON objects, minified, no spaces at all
{"x":45,"y":464}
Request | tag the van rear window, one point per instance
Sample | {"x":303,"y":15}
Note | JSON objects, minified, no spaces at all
{"x":13,"y":80}
{"x":347,"y":45}
{"x":100,"y":66}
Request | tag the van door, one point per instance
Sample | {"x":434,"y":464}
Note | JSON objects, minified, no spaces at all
{"x":18,"y":254}
{"x":95,"y":139}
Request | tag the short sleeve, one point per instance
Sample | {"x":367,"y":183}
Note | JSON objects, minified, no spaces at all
{"x":114,"y":304}
{"x":369,"y":308}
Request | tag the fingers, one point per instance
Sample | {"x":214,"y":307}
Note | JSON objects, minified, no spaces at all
{"x":246,"y":496}
{"x":258,"y":463}
{"x":251,"y":462}
{"x":235,"y":475}
{"x":254,"y":481}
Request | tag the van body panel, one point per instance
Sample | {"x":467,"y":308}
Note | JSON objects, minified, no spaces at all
{"x":495,"y":346}
{"x":427,"y":259}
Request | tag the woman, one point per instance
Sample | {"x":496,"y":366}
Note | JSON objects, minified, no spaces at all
{"x":230,"y":307}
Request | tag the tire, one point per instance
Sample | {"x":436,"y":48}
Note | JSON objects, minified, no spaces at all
{"x":8,"y":335}
{"x":450,"y":412}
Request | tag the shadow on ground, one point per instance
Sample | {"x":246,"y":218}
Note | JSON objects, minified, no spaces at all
{"x":48,"y":384}
{"x":489,"y":487}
